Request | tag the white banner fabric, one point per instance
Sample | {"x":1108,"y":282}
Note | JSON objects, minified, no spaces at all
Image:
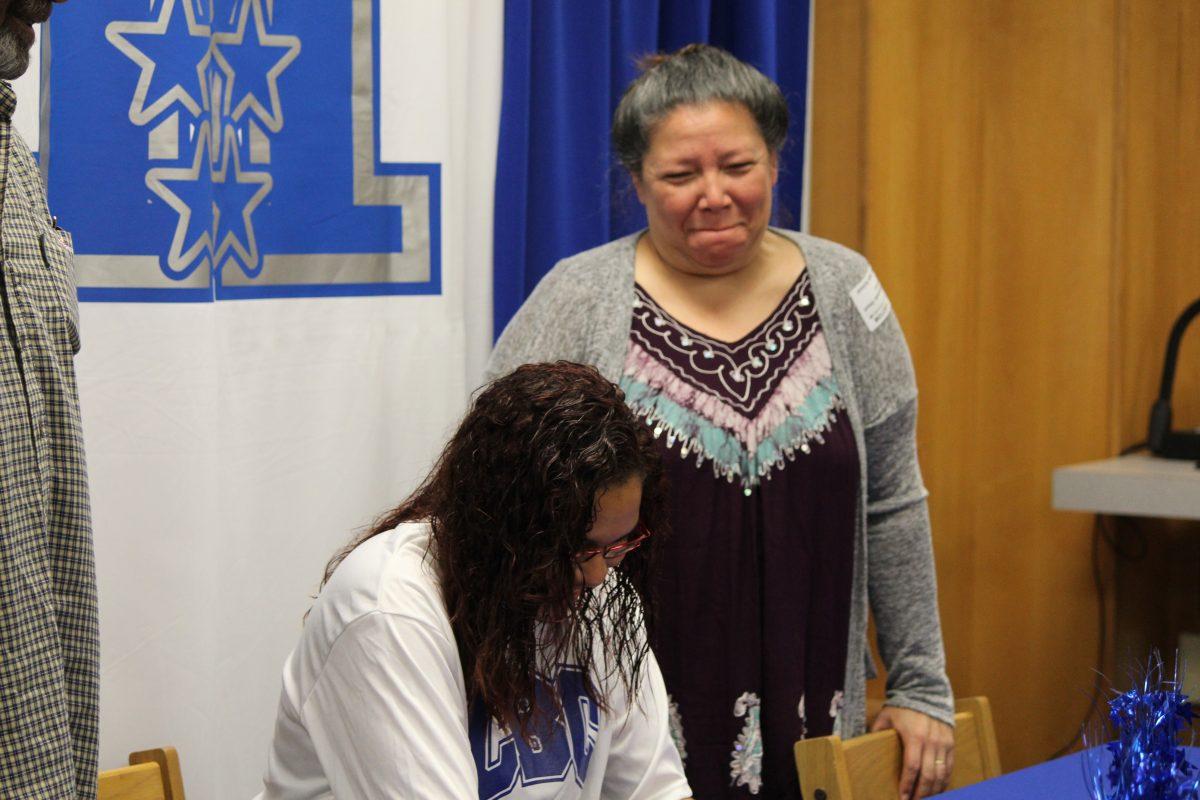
{"x":234,"y":446}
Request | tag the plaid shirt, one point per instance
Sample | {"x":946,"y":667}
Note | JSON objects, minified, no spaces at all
{"x":49,"y":650}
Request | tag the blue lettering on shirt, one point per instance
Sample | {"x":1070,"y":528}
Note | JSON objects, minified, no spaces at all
{"x":556,"y":754}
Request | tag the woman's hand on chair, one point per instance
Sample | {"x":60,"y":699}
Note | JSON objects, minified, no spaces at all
{"x":928,"y":747}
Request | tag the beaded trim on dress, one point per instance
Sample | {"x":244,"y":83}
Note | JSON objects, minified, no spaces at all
{"x":746,"y":407}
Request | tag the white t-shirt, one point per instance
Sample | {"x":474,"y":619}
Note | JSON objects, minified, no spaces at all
{"x":374,"y":706}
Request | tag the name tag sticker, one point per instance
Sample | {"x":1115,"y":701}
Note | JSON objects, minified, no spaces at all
{"x":872,"y":302}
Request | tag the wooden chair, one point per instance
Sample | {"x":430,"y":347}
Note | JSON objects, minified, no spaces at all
{"x":868,"y":767}
{"x":151,"y":775}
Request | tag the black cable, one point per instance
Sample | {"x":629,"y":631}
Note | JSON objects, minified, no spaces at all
{"x":1098,"y":684}
{"x":1136,"y":537}
{"x":1140,"y":547}
{"x":1136,"y":545}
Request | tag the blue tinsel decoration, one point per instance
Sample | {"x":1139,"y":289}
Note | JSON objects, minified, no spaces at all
{"x":1147,"y":762}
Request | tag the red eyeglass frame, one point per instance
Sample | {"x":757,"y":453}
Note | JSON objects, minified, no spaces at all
{"x":623,"y":546}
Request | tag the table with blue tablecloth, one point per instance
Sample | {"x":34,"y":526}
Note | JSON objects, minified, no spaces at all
{"x":1060,"y":779}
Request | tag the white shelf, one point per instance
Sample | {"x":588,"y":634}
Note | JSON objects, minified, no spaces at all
{"x":1135,"y":485}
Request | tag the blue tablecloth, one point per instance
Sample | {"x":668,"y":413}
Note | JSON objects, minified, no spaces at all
{"x":1060,"y":779}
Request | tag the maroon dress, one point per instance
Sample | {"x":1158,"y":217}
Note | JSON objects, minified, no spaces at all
{"x":754,"y":586}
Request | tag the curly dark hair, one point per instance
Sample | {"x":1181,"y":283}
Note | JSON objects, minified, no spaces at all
{"x":510,"y":502}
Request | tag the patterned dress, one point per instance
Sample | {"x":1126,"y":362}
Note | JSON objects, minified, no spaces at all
{"x":755,"y":578}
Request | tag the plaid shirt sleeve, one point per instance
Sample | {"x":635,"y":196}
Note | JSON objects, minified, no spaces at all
{"x":49,"y":649}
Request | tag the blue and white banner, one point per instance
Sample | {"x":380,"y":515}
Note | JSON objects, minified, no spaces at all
{"x":332,"y":165}
{"x":237,"y":146}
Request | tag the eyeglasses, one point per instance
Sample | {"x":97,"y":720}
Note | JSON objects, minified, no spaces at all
{"x":622,"y":547}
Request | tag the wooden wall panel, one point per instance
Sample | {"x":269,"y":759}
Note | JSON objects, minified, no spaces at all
{"x":1158,"y":274}
{"x":1043,"y":366}
{"x":999,"y":192}
{"x":921,"y":229}
{"x":839,"y":123}
{"x":1159,"y":268}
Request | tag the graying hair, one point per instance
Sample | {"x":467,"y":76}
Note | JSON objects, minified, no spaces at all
{"x":693,"y":75}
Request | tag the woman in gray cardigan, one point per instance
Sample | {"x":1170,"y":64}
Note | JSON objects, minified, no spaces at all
{"x":780,"y":388}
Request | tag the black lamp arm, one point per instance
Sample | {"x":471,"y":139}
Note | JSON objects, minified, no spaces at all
{"x":1160,"y":413}
{"x":1168,"y":376}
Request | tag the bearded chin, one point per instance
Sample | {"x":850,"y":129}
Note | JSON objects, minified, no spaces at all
{"x":14,"y":59}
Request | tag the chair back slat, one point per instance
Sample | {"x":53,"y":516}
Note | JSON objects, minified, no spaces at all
{"x":822,"y":763}
{"x":139,"y":782}
{"x":151,"y":775}
{"x":985,"y":733}
{"x":868,"y":767}
{"x":873,"y":763}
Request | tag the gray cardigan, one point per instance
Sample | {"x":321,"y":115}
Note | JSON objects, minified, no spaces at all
{"x":582,"y":310}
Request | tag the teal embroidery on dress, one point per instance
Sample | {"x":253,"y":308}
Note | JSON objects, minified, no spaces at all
{"x":730,"y":458}
{"x":745,"y":767}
